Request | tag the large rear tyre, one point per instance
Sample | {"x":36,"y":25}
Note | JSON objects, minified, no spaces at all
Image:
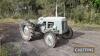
{"x":68,"y":34}
{"x":26,"y":30}
{"x":50,"y":39}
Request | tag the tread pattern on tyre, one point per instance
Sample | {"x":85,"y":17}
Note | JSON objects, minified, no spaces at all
{"x":21,"y":27}
{"x":55,"y":39}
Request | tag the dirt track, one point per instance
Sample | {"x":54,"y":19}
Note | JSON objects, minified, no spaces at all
{"x":9,"y":34}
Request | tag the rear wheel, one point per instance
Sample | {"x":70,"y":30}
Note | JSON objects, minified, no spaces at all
{"x":68,"y":34}
{"x":50,"y":39}
{"x":26,"y":30}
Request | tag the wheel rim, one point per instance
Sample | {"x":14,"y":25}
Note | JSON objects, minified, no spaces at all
{"x":49,"y":40}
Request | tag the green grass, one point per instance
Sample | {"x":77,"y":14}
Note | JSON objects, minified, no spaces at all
{"x":84,"y":26}
{"x":9,"y":20}
{"x":3,"y":51}
{"x":9,"y":50}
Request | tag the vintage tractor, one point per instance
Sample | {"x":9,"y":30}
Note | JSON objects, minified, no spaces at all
{"x":48,"y":27}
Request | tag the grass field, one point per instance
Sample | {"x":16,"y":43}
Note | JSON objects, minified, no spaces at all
{"x":84,"y":26}
{"x":70,"y":23}
{"x":9,"y":20}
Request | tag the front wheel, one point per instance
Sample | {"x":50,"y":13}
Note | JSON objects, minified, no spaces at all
{"x":50,"y":39}
{"x":68,"y":34}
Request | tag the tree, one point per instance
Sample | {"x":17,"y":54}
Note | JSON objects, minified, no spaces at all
{"x":96,"y":4}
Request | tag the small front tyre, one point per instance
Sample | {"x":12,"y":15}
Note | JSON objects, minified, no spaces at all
{"x":50,"y":39}
{"x":68,"y":34}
